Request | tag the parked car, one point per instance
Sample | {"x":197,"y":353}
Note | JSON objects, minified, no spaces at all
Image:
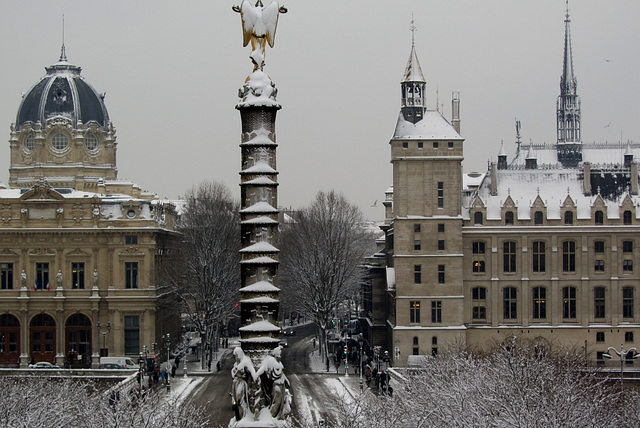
{"x":289,"y":332}
{"x":283,"y":343}
{"x":43,"y":365}
{"x":111,"y":366}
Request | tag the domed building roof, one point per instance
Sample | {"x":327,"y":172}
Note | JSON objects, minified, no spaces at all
{"x":62,"y":92}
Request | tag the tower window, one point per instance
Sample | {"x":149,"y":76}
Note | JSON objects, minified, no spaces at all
{"x":440,"y":227}
{"x":441,"y":244}
{"x":440,"y":274}
{"x":416,"y":228}
{"x":420,"y":145}
{"x":435,"y":145}
{"x":600,"y":336}
{"x":417,"y":274}
{"x":405,"y":145}
{"x":440,"y":194}
{"x":450,"y":145}
{"x":417,"y":245}
{"x":538,"y":218}
{"x":626,"y":217}
{"x":477,"y":218}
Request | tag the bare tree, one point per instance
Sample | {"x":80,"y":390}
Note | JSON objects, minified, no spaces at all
{"x":205,"y":273}
{"x":321,"y":257}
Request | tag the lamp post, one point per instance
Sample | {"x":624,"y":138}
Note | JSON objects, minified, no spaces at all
{"x":360,"y":340}
{"x":167,"y":344}
{"x":141,"y":364}
{"x":104,"y":352}
{"x":622,"y":353}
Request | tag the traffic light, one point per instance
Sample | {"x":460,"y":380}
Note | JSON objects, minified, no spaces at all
{"x":345,"y":350}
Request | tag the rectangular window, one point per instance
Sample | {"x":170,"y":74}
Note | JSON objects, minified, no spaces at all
{"x":420,"y":145}
{"x":598,"y":247}
{"x":628,"y":336}
{"x":131,"y":335}
{"x":479,"y":302}
{"x":478,"y":266}
{"x":131,"y":239}
{"x":598,"y":266}
{"x":440,"y":194}
{"x":600,"y":336}
{"x":569,"y":303}
{"x":417,"y":245}
{"x":414,"y":311}
{"x":627,"y":246}
{"x":478,"y":247}
{"x":435,"y":145}
{"x":568,"y":256}
{"x":509,"y":256}
{"x":405,"y":145}
{"x":539,"y":303}
{"x":436,"y":311}
{"x":627,"y":265}
{"x":6,"y":276}
{"x":539,"y":254}
{"x":510,"y":303}
{"x":417,"y":274}
{"x":627,"y":302}
{"x":77,"y":275}
{"x":42,"y":276}
{"x":440,"y":227}
{"x":441,"y":244}
{"x":416,"y":228}
{"x":440,"y":274}
{"x":131,"y":274}
{"x":599,"y":302}
{"x":450,"y":145}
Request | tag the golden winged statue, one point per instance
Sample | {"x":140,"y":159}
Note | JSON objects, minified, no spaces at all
{"x":259,"y":24}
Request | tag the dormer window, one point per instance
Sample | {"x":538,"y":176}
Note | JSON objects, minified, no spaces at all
{"x":30,"y":142}
{"x":60,"y":141}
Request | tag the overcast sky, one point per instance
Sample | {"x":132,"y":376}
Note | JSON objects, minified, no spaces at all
{"x":171,"y":71}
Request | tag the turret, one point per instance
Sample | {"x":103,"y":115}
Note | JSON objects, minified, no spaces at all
{"x":413,"y":88}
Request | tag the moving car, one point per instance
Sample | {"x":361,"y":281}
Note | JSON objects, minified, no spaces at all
{"x":283,"y":343}
{"x":289,"y":332}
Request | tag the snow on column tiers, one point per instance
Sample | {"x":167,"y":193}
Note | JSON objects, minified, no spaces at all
{"x":259,"y":304}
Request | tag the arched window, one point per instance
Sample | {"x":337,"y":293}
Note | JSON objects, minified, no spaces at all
{"x":626,"y":217}
{"x":477,"y":218}
{"x":539,"y":303}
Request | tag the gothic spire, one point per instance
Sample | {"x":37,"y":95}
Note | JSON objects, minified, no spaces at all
{"x":413,"y":72}
{"x":568,"y":80}
{"x":413,"y":86}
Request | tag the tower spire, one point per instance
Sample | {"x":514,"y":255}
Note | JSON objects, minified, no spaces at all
{"x":63,"y":53}
{"x":568,"y":106}
{"x":413,"y":85}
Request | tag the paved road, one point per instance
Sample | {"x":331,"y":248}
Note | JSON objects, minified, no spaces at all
{"x":316,"y":396}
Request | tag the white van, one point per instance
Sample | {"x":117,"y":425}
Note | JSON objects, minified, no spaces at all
{"x":122,"y":362}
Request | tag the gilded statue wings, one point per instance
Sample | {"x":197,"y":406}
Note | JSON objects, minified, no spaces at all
{"x":259,"y":21}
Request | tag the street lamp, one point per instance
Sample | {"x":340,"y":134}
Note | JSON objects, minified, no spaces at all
{"x":141,"y":364}
{"x":104,"y":352}
{"x":622,"y":353}
{"x":360,"y":340}
{"x":167,"y":344}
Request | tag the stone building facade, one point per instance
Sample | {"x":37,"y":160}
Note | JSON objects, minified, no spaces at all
{"x":79,"y":249}
{"x":544,"y":246}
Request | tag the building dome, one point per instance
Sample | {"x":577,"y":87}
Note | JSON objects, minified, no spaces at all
{"x":62,"y":92}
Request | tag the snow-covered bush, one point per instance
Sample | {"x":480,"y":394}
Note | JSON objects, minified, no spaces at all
{"x":517,"y":385}
{"x":38,"y":402}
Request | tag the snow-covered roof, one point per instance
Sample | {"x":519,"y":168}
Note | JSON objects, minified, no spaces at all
{"x":260,"y":167}
{"x":260,"y":220}
{"x":264,"y":326}
{"x":260,"y":287}
{"x":262,"y":180}
{"x":433,"y":126}
{"x":258,"y":91}
{"x":259,"y":207}
{"x":260,"y":261}
{"x":261,"y":299}
{"x":597,"y":154}
{"x":260,"y":247}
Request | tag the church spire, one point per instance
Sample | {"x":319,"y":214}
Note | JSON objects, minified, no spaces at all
{"x":63,"y":52}
{"x":568,"y":107}
{"x":413,"y":85}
